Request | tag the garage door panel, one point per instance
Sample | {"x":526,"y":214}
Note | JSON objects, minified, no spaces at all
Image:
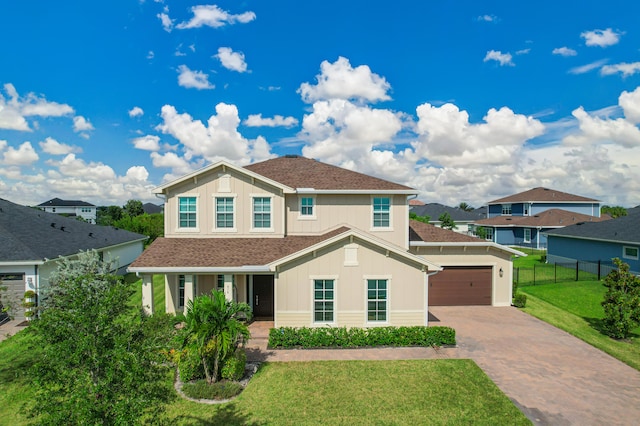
{"x":14,"y":293}
{"x":459,"y":286}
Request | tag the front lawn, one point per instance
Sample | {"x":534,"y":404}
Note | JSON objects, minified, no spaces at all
{"x":158,"y":293}
{"x":575,"y":308}
{"x":331,"y":392}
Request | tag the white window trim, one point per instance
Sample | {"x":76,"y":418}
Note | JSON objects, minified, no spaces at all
{"x":188,"y":230}
{"x":312,"y":279}
{"x":234,"y":229}
{"x":309,"y":216}
{"x":366,"y":300}
{"x":624,"y":252}
{"x":273,"y":218}
{"x":502,"y":207}
{"x":382,"y":228}
{"x":524,"y":237}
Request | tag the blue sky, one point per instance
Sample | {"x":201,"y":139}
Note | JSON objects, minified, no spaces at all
{"x":464,"y":101}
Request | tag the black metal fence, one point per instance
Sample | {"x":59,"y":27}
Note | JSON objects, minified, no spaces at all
{"x":546,"y":273}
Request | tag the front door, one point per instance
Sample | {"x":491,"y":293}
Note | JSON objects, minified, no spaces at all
{"x":263,"y":297}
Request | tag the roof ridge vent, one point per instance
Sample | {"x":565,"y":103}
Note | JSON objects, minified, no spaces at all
{"x":53,"y":224}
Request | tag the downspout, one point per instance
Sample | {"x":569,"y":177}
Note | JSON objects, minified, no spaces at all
{"x":409,"y":198}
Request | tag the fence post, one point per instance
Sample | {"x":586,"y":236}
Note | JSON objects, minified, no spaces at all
{"x":577,"y":266}
{"x":599,"y":266}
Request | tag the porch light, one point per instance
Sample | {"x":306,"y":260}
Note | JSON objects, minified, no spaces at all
{"x":501,"y":272}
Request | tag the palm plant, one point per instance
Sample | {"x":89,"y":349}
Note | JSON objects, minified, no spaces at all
{"x":214,"y":329}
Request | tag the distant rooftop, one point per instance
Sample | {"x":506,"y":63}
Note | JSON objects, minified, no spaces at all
{"x":541,"y":194}
{"x":57,"y":202}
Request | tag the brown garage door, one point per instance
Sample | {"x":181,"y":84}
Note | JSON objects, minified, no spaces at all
{"x":460,"y":285}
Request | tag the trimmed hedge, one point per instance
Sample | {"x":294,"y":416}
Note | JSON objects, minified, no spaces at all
{"x":341,"y":337}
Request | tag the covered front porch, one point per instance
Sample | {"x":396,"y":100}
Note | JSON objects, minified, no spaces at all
{"x":257,"y":290}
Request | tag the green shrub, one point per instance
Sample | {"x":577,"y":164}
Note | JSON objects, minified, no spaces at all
{"x":233,"y":367}
{"x":218,"y":390}
{"x":621,"y":302}
{"x":189,"y":365}
{"x":520,"y":300}
{"x":341,"y":337}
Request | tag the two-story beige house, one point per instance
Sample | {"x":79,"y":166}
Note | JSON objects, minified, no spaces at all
{"x":306,"y":243}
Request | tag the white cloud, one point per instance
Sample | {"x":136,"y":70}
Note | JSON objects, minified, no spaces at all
{"x":231,"y":60}
{"x":151,"y":55}
{"x":53,"y":147}
{"x":23,"y":156}
{"x":193,"y":79}
{"x":81,"y":124}
{"x":340,"y":81}
{"x":213,"y":16}
{"x":487,"y":18}
{"x":147,"y":143}
{"x":15,"y":109}
{"x":171,"y":160}
{"x":136,"y":111}
{"x":167,"y":23}
{"x":601,"y":38}
{"x":498,"y":56}
{"x":217,"y":139}
{"x":588,"y":67}
{"x":630,"y":103}
{"x":594,"y":130}
{"x":256,"y":120}
{"x":523,"y":51}
{"x":623,"y":68}
{"x":564,"y":51}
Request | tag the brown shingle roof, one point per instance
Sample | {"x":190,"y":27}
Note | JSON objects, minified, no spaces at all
{"x":301,"y":172}
{"x":542,"y":194}
{"x":419,"y":231}
{"x":224,"y":252}
{"x":548,"y":218}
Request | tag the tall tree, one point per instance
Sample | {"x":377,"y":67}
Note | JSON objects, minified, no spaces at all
{"x":423,"y":219}
{"x":151,"y":225}
{"x":464,"y":206}
{"x":446,"y":222}
{"x":102,"y":360}
{"x":621,"y":302}
{"x":133,"y":208}
{"x":214,"y":329}
{"x":106,"y":216}
{"x":613,"y":211}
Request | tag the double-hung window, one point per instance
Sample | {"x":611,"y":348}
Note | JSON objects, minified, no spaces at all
{"x":306,"y":207}
{"x":187,"y":212}
{"x":506,"y":210}
{"x":381,"y":212}
{"x":323,"y":298}
{"x":527,"y":235}
{"x":262,"y":212}
{"x":224,"y":212}
{"x":376,"y":300}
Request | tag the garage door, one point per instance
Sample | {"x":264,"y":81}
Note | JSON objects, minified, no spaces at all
{"x":14,"y":293}
{"x":455,"y":286}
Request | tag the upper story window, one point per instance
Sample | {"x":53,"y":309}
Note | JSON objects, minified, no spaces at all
{"x":381,"y":212}
{"x":187,"y":212}
{"x":85,"y":209}
{"x":224,"y":212}
{"x":262,"y":212}
{"x":527,"y":209}
{"x":307,"y":208}
{"x":506,"y":210}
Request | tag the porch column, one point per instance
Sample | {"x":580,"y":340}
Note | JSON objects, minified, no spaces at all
{"x":189,"y":291}
{"x":147,"y":294}
{"x":228,"y":287}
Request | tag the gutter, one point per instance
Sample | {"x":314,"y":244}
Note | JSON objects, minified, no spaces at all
{"x":202,"y":269}
{"x":469,"y":244}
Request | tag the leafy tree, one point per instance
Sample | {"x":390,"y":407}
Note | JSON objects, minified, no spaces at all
{"x":214,"y":330}
{"x":621,"y":302}
{"x":133,"y":208}
{"x":102,"y":360}
{"x":446,"y":222}
{"x":4,"y":309}
{"x":106,"y":216}
{"x":480,"y":232}
{"x":423,"y":219}
{"x":151,"y":225}
{"x":613,"y":211}
{"x":466,"y":207}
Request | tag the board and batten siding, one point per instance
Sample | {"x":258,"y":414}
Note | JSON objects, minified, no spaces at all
{"x":221,"y":183}
{"x":406,"y":287}
{"x":562,"y":249}
{"x":501,"y":292}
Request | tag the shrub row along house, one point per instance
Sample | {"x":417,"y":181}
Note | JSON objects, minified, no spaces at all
{"x":306,"y":243}
{"x":522,"y":219}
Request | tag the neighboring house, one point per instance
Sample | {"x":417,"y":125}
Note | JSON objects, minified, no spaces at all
{"x":71,"y":208}
{"x":522,"y":219}
{"x":305,"y":243}
{"x":31,"y":242}
{"x":150,"y":208}
{"x":461,"y":218}
{"x":595,"y":242}
{"x":416,"y":202}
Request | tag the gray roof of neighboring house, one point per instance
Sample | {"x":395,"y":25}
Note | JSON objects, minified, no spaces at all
{"x":434,"y":210}
{"x":28,"y":234}
{"x":150,"y":208}
{"x":57,"y":202}
{"x":623,"y":229}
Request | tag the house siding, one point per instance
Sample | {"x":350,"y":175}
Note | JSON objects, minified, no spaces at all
{"x":406,"y":289}
{"x":562,"y":249}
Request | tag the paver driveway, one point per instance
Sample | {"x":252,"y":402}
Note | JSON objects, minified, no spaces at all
{"x":553,"y":377}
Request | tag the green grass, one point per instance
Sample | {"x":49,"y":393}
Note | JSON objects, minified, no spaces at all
{"x":332,"y":392}
{"x":575,"y":308}
{"x":158,"y":293}
{"x":534,"y":257}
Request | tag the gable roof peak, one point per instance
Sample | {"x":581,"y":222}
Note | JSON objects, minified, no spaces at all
{"x":542,"y":194}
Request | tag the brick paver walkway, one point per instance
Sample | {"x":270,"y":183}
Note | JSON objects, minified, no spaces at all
{"x":553,"y":377}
